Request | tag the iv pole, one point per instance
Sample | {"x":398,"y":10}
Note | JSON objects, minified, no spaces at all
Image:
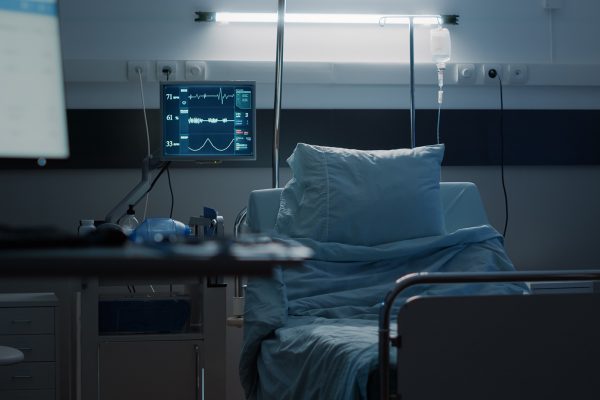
{"x":411,"y":38}
{"x":444,"y":19}
{"x":277,"y":106}
{"x":281,"y":9}
{"x":203,"y":16}
{"x":413,"y":118}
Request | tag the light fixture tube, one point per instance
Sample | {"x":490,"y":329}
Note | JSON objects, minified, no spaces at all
{"x":226,"y":17}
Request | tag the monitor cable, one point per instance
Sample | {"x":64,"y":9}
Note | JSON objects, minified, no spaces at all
{"x":494,"y":74}
{"x":164,"y":168}
{"x":171,"y":191}
{"x":139,"y":72}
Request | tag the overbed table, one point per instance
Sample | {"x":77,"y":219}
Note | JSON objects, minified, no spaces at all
{"x":161,"y":260}
{"x":174,"y":262}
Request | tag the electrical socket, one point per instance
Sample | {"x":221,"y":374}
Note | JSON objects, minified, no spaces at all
{"x":195,"y":70}
{"x":134,"y":66}
{"x":466,"y":74}
{"x":161,"y":66}
{"x":486,"y":70}
{"x":518,"y":74}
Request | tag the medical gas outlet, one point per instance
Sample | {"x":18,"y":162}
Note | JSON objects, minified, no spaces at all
{"x":518,"y":74}
{"x":473,"y":74}
{"x":466,"y":74}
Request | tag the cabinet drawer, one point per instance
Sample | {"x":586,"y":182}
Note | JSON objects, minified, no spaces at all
{"x":152,"y":370}
{"x":27,"y":320}
{"x":44,"y":394}
{"x":34,"y":347}
{"x":27,"y":376}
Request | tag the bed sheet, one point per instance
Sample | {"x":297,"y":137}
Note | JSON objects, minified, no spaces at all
{"x":311,"y":332}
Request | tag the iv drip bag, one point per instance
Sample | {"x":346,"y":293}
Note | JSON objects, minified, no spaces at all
{"x":440,"y":45}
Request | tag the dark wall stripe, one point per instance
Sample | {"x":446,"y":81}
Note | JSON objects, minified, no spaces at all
{"x":116,"y":138}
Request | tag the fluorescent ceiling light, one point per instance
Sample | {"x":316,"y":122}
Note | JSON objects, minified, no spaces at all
{"x":417,"y":19}
{"x":327,"y":18}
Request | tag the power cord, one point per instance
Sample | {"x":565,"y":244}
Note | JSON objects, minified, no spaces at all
{"x":494,"y":74}
{"x":139,"y":72}
{"x":148,"y":154}
{"x":167,"y":72}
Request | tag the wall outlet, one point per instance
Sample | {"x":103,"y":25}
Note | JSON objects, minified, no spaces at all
{"x":518,"y":74}
{"x":486,"y":73}
{"x":142,"y":66}
{"x":466,"y":74}
{"x":195,"y":70}
{"x":166,"y":70}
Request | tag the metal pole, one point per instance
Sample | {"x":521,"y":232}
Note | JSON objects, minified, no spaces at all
{"x":413,"y":135}
{"x":137,"y":193}
{"x":277,"y":105}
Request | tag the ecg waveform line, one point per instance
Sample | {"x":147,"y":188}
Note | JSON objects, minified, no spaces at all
{"x":219,"y":96}
{"x":197,"y":120}
{"x":213,"y":146}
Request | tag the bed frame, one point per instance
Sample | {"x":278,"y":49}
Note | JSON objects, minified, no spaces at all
{"x":538,"y":346}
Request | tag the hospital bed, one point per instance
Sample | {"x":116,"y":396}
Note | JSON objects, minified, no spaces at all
{"x":496,"y":345}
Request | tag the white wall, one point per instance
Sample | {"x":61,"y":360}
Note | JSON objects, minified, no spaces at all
{"x":99,"y":38}
{"x":506,"y":31}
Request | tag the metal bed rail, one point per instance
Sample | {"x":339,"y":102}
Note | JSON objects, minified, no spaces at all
{"x":453,"y":278}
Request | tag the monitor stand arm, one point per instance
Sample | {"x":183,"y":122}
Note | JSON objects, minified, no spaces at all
{"x":137,"y":193}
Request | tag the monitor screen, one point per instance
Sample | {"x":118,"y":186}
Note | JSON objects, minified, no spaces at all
{"x":32,"y":105}
{"x":208,"y":120}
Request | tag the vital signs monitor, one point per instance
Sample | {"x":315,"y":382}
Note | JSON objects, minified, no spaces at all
{"x":208,"y":121}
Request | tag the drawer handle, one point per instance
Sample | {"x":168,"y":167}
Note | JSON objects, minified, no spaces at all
{"x":25,"y":348}
{"x":22,"y":377}
{"x":21,"y":321}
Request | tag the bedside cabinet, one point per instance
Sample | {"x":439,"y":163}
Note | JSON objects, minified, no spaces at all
{"x":28,"y":323}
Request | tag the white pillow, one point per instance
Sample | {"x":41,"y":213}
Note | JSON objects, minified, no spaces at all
{"x":362,"y":197}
